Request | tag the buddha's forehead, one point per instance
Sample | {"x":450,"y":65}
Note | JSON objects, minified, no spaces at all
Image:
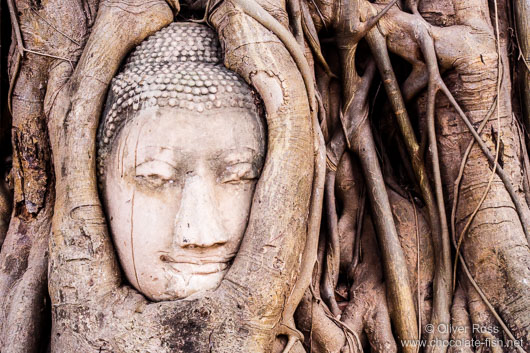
{"x":213,"y":133}
{"x":179,"y":68}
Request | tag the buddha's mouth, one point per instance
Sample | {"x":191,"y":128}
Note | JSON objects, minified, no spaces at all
{"x":196,"y":265}
{"x":197,"y":269}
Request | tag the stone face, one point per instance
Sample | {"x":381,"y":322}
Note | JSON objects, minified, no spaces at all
{"x":180,"y":149}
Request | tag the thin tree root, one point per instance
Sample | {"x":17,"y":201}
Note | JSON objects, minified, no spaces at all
{"x":432,"y":66}
{"x":20,"y":42}
{"x":392,"y":253}
{"x":13,"y":81}
{"x":16,"y":27}
{"x":435,"y":80}
{"x":311,"y":36}
{"x":418,"y":277}
{"x":295,"y":12}
{"x":55,"y":27}
{"x":526,"y":160}
{"x":372,"y":21}
{"x":487,"y":302}
{"x":521,"y":211}
{"x":331,"y":269}
{"x":21,"y":49}
{"x":440,"y":236}
{"x":458,"y":181}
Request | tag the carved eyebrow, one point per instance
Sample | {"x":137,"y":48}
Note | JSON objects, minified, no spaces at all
{"x":153,"y":153}
{"x":156,"y":147}
{"x":152,"y":159}
{"x":237,"y":154}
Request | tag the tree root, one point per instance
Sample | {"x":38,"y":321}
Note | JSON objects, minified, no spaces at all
{"x":367,"y":311}
{"x":317,"y":296}
{"x":20,"y":43}
{"x":6,"y":200}
{"x":254,"y":10}
{"x":486,"y":303}
{"x":351,"y":196}
{"x":430,"y":58}
{"x":394,"y":263}
{"x":22,"y":327}
{"x":309,"y":255}
{"x":460,"y":320}
{"x":482,"y":317}
{"x":411,"y":23}
{"x":78,"y":213}
{"x":416,"y":241}
{"x":330,"y":276}
{"x":321,"y":333}
{"x":442,"y":281}
{"x":294,"y":8}
{"x":311,"y":35}
{"x":457,"y":183}
{"x":436,"y":83}
{"x":526,"y":164}
{"x":521,"y":211}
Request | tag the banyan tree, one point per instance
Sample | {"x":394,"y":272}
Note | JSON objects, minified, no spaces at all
{"x":264,"y":176}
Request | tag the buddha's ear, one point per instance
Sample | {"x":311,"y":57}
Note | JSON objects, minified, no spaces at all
{"x":277,"y":228}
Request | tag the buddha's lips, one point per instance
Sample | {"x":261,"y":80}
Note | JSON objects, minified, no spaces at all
{"x":198,"y":269}
{"x":196,"y":260}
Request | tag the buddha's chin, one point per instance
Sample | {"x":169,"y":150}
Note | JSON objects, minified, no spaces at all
{"x":181,"y":285}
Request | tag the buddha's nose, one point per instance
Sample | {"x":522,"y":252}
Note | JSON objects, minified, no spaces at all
{"x":197,"y":223}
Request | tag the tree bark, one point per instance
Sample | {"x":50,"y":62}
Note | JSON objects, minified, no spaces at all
{"x":369,"y":99}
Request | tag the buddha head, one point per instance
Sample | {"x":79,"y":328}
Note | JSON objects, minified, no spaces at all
{"x":180,"y":148}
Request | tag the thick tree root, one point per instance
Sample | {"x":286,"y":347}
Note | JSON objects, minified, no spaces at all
{"x":367,"y":311}
{"x":330,"y":276}
{"x":6,"y":200}
{"x":460,"y":321}
{"x":392,"y":254}
{"x":322,"y":335}
{"x":290,"y":142}
{"x":442,"y":295}
{"x":373,"y":272}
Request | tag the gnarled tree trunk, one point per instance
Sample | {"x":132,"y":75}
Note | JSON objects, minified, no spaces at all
{"x":391,"y":214}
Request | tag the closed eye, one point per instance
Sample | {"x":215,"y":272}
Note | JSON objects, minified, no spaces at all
{"x":239,"y":173}
{"x":154,"y":180}
{"x":155,"y":173}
